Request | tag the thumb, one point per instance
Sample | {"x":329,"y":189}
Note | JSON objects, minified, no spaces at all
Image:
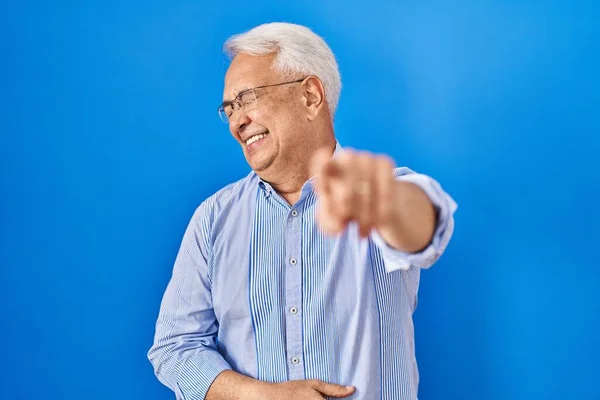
{"x":333,"y":390}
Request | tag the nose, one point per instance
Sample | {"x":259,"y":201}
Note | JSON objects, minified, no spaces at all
{"x":238,"y":121}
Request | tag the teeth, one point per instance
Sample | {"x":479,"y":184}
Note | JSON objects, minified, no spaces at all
{"x":254,"y":139}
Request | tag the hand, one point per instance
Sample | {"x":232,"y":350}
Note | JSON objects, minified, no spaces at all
{"x":231,"y":385}
{"x":355,"y":186}
{"x":304,"y":390}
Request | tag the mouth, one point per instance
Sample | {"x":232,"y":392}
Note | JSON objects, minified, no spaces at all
{"x":256,"y":138}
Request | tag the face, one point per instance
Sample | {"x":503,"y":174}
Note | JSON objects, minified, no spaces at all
{"x":278,"y":117}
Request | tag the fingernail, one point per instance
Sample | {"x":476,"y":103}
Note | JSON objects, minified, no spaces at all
{"x":349,"y":387}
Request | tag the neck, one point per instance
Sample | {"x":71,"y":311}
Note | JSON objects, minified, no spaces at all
{"x":289,"y":184}
{"x":291,"y":189}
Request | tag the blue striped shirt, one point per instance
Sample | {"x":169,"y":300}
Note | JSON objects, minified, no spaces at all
{"x":257,"y":288}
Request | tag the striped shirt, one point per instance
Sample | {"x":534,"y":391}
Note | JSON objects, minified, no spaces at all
{"x":257,"y":288}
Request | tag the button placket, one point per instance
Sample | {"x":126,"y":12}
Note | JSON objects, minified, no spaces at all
{"x":293,"y":295}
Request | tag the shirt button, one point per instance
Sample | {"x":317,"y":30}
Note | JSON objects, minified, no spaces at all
{"x":294,"y":310}
{"x":293,"y":261}
{"x":294,"y":213}
{"x":295,"y":360}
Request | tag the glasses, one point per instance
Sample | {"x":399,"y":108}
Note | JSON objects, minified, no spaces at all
{"x":244,"y":100}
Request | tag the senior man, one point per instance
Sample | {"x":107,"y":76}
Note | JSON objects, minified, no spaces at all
{"x":300,"y":280}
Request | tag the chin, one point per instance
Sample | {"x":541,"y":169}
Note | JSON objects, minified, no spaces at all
{"x":260,"y":163}
{"x":259,"y":166}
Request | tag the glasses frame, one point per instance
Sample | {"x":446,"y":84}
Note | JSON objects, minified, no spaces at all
{"x":237,"y":101}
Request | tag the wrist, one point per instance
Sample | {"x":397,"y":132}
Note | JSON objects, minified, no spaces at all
{"x":411,"y":220}
{"x":390,"y":229}
{"x":254,"y":389}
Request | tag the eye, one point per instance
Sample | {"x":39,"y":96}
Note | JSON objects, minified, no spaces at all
{"x":227,"y":110}
{"x":246,"y":97}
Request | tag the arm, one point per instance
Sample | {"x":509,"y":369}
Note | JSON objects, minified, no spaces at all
{"x":230,"y":385}
{"x":408,"y":215}
{"x":421,"y":222}
{"x":184,"y":353}
{"x":412,"y":219}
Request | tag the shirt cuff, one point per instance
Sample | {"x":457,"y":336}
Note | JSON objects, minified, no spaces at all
{"x":198,"y":373}
{"x":445,"y":207}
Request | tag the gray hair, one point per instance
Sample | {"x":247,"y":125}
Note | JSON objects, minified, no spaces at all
{"x":299,"y":51}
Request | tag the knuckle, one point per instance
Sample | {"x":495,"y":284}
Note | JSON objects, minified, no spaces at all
{"x":337,"y":389}
{"x":367,"y":158}
{"x":347,"y":155}
{"x":386,"y":161}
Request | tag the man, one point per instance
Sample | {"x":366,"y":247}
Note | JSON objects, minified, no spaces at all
{"x":300,"y":280}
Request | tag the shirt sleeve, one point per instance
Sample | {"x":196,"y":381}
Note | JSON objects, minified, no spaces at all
{"x":445,"y":207}
{"x":184,"y":354}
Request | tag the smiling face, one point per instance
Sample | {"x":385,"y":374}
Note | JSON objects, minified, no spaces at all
{"x":277,"y":132}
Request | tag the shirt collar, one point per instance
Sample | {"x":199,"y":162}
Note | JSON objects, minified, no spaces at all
{"x":338,"y":149}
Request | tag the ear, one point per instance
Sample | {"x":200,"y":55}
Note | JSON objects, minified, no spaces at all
{"x":313,"y":96}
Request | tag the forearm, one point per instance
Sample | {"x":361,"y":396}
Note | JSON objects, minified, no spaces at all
{"x":413,"y":219}
{"x":231,"y":385}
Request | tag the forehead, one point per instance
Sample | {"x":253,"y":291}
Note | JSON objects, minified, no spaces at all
{"x":246,"y":71}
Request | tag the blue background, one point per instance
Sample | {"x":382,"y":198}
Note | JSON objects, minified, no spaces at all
{"x":110,"y":139}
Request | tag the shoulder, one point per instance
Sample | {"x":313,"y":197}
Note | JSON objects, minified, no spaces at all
{"x":225,"y":198}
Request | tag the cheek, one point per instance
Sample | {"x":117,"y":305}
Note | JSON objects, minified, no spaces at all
{"x":259,"y":117}
{"x":267,"y":117}
{"x":277,"y":115}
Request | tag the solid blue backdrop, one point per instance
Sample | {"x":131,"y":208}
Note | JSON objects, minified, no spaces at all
{"x":110,"y":139}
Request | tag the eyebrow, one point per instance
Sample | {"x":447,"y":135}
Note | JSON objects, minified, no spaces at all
{"x":225,"y":102}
